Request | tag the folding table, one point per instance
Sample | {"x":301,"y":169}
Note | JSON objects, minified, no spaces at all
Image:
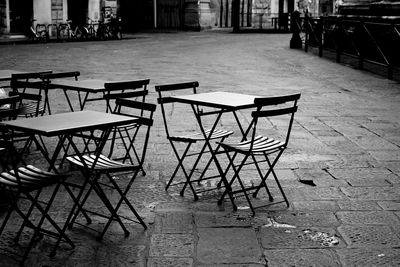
{"x":83,"y":87}
{"x":222,"y":102}
{"x":64,"y":126}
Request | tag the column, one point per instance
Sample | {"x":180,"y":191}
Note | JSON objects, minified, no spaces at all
{"x":197,"y":14}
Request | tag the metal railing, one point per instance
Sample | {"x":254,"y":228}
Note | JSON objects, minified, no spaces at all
{"x":368,"y":39}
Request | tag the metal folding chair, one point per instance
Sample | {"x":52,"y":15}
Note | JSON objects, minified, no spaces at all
{"x":126,"y":134}
{"x":29,"y":87}
{"x":262,"y":148}
{"x":46,"y":83}
{"x":102,"y":166}
{"x":187,"y":139}
{"x":22,"y":181}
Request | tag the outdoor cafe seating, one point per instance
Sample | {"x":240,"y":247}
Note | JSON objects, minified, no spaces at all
{"x":86,"y":139}
{"x":109,"y":149}
{"x":188,"y":140}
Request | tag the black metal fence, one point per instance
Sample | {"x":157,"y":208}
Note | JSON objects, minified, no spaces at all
{"x":252,"y":14}
{"x":367,"y":39}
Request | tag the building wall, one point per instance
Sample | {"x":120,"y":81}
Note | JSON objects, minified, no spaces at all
{"x":42,"y":11}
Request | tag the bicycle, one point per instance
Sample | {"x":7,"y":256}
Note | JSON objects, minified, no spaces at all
{"x":67,"y":31}
{"x":39,"y":33}
{"x":115,"y":28}
{"x":89,"y":31}
{"x":110,"y":29}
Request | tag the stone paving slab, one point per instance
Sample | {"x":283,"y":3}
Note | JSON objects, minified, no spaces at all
{"x":369,"y":236}
{"x":345,"y":138}
{"x":372,"y":193}
{"x":299,"y":237}
{"x":228,"y":245}
{"x":301,"y":257}
{"x":369,"y":257}
{"x":367,"y":217}
{"x":171,"y":245}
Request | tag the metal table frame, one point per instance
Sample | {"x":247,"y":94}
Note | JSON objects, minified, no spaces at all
{"x":64,"y":126}
{"x":222,"y":102}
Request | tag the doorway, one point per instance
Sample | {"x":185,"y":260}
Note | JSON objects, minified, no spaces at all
{"x":77,"y":11}
{"x":21,"y":15}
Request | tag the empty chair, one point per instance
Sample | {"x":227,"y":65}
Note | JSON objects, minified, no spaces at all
{"x":22,"y":181}
{"x":188,"y":139}
{"x":125,"y":134}
{"x":109,"y":169}
{"x":265,"y":145}
{"x":29,"y":87}
{"x":47,"y":78}
{"x":9,"y":110}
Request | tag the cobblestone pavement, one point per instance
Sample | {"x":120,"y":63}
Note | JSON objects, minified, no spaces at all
{"x":346,"y":139}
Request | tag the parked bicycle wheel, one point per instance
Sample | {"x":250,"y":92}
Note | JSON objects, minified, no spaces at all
{"x":41,"y":33}
{"x":63,"y":32}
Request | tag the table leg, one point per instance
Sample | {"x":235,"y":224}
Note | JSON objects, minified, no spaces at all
{"x":213,"y":156}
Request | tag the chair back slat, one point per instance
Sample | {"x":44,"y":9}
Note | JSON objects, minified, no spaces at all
{"x":28,"y":96}
{"x":136,"y":89}
{"x":136,"y":104}
{"x":17,"y":84}
{"x":128,"y":94}
{"x":59,"y":75}
{"x":176,"y":86}
{"x":275,"y":100}
{"x":29,"y":75}
{"x":274,"y":112}
{"x":12,"y":99}
{"x":136,"y":84}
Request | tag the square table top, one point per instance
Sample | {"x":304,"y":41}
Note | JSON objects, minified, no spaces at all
{"x":71,"y":122}
{"x":5,"y":75}
{"x":222,"y":100}
{"x":85,"y":85}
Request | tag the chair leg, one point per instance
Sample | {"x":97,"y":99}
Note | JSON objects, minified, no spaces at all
{"x":11,"y":208}
{"x":71,"y":213}
{"x":123,"y":199}
{"x":28,"y":214}
{"x":262,"y":180}
{"x":99,"y":191}
{"x":271,"y":170}
{"x":228,"y":187}
{"x":41,"y":221}
{"x":180,"y":160}
{"x":193,"y":169}
{"x":180,"y":165}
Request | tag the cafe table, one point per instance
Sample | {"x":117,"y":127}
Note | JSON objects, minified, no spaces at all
{"x":65,"y":126}
{"x":220,"y":102}
{"x":83,"y":87}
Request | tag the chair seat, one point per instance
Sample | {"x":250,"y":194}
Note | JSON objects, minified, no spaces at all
{"x":128,"y":127}
{"x":199,"y":136}
{"x":30,"y":176}
{"x":103,"y":163}
{"x":30,"y":109}
{"x":261,"y":145}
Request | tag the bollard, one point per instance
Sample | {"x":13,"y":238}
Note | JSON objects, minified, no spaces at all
{"x":295,"y":21}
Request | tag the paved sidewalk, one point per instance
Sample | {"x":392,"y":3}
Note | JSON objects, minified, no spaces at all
{"x":346,"y":138}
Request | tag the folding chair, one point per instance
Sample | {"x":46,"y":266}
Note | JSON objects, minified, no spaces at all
{"x":126,"y":134}
{"x":262,"y":148}
{"x":46,"y":82}
{"x":22,"y":181}
{"x":109,"y":168}
{"x":187,"y":139}
{"x":30,"y":92}
{"x":9,"y":110}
